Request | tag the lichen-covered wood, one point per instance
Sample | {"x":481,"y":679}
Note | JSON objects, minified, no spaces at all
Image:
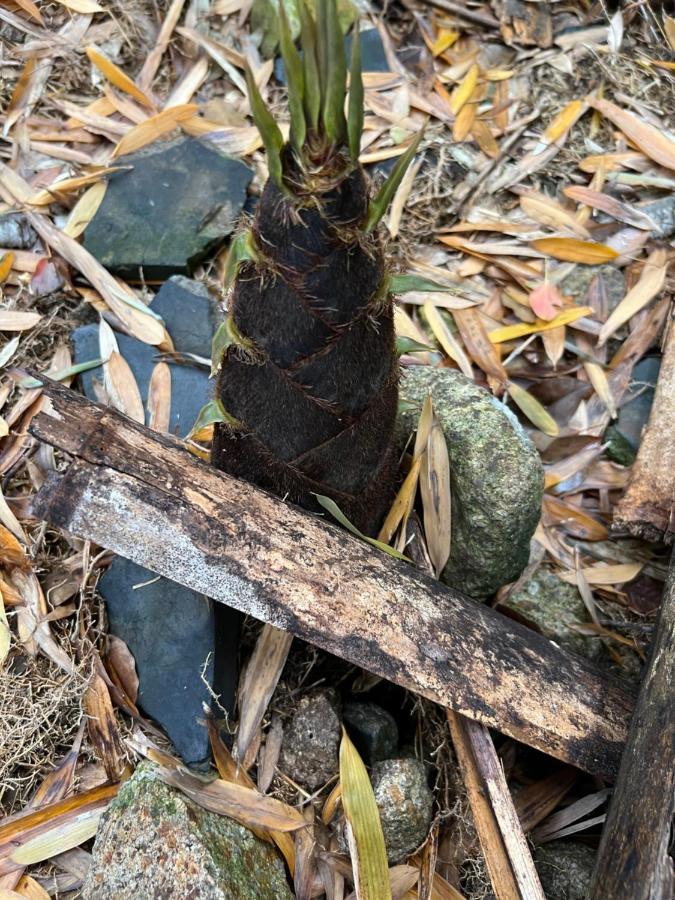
{"x":144,"y":496}
{"x":307,"y":365}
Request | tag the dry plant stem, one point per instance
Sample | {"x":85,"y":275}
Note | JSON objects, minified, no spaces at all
{"x":505,"y":849}
{"x":144,"y":496}
{"x":633,"y":848}
{"x":647,"y":507}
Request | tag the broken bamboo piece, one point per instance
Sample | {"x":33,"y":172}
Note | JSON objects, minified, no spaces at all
{"x":633,"y":856}
{"x":144,"y":496}
{"x":647,"y":509}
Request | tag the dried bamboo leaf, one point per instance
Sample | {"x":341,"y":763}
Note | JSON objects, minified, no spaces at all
{"x":124,"y":664}
{"x":512,"y":332}
{"x":598,"y":378}
{"x":572,"y":520}
{"x":116,"y":76}
{"x":650,"y":283}
{"x":571,"y":250}
{"x":85,"y":209}
{"x":606,"y":574}
{"x":403,"y":503}
{"x":159,"y":398}
{"x":548,"y":211}
{"x":31,"y":618}
{"x":18,"y":320}
{"x":554,"y":343}
{"x":12,"y":552}
{"x":122,"y":388}
{"x":435,"y":489}
{"x":622,"y":212}
{"x":5,"y":636}
{"x":245,"y":805}
{"x":154,"y":128}
{"x":140,"y":321}
{"x":533,"y":409}
{"x":364,"y":829}
{"x":653,"y":143}
{"x":477,"y":342}
{"x":6,"y":263}
{"x":464,"y":89}
{"x":446,"y":339}
{"x":257,"y":686}
{"x":102,"y":725}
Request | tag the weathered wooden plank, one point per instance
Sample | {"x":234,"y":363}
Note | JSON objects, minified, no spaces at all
{"x":647,"y":509}
{"x":144,"y":496}
{"x":633,"y":855}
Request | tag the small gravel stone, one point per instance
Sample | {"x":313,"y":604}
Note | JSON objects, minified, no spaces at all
{"x":311,"y":742}
{"x":405,"y":803}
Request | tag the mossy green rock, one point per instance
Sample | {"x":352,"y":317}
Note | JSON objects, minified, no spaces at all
{"x":156,"y":844}
{"x":555,"y":607}
{"x":496,"y":478}
{"x":565,"y":869}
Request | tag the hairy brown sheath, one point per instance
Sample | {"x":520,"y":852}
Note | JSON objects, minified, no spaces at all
{"x":309,"y":381}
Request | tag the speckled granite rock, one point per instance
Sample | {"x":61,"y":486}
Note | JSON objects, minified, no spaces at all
{"x":311,"y":742}
{"x":405,"y":804}
{"x":153,"y":843}
{"x":565,"y":869}
{"x":496,"y":477}
{"x":555,"y":607}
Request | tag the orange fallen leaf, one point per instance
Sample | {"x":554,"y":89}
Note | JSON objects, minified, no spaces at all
{"x":154,"y":128}
{"x":6,"y":263}
{"x":116,"y":76}
{"x":572,"y":250}
{"x":649,"y":139}
{"x":32,"y":10}
{"x":565,"y":119}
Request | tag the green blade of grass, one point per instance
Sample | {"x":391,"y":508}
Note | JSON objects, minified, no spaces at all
{"x":336,"y":77}
{"x":295,"y":79}
{"x":355,"y":106}
{"x":269,"y":131}
{"x":378,"y":205}
{"x":241,"y":249}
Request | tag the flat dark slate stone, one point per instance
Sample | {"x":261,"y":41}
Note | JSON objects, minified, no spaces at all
{"x":373,"y":57}
{"x":178,"y":201}
{"x":170,"y":630}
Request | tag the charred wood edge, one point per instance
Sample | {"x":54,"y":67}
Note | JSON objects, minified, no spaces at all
{"x":647,"y":509}
{"x":144,"y":496}
{"x":632,"y":858}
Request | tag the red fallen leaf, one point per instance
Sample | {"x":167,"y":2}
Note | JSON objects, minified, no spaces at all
{"x":544,"y":300}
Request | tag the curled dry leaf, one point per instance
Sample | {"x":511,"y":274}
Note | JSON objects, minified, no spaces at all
{"x":648,"y":286}
{"x":85,"y":209}
{"x":477,"y":342}
{"x":33,"y":628}
{"x":102,"y":726}
{"x":12,"y":552}
{"x":5,"y":636}
{"x":446,"y":339}
{"x":124,"y":664}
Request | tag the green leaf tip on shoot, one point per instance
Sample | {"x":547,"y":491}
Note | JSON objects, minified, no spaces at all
{"x":336,"y":77}
{"x":312,"y":94}
{"x":379,"y":204}
{"x":269,"y":131}
{"x":242,"y":248}
{"x":331,"y":506}
{"x":295,"y":79}
{"x":355,"y":106}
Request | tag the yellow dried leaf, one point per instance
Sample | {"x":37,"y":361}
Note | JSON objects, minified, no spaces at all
{"x":363,"y":828}
{"x":565,"y":119}
{"x":402,"y":503}
{"x":435,"y":489}
{"x":48,"y":195}
{"x":648,"y":286}
{"x":85,"y":209}
{"x":445,"y":38}
{"x":484,"y":138}
{"x":464,"y":89}
{"x":6,"y":263}
{"x":533,"y":409}
{"x":572,"y":250}
{"x":21,"y":86}
{"x":153,"y":128}
{"x":446,"y":339}
{"x":647,"y":138}
{"x":117,"y":77}
{"x":464,"y":122}
{"x":512,"y":332}
{"x":11,"y":550}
